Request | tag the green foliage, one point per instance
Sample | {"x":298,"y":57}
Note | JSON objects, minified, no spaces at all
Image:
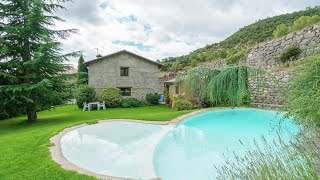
{"x":111,"y":96}
{"x":82,"y":71}
{"x":291,"y":53}
{"x":85,"y":93}
{"x":281,"y":30}
{"x":302,"y":99}
{"x":31,"y":59}
{"x":304,"y":21}
{"x":130,"y":102}
{"x":153,"y":98}
{"x":194,"y":62}
{"x":278,"y":159}
{"x":10,"y":108}
{"x":167,"y":95}
{"x":165,"y":67}
{"x":196,"y":79}
{"x":176,"y":66}
{"x":236,"y":56}
{"x":227,"y":86}
{"x":180,"y":103}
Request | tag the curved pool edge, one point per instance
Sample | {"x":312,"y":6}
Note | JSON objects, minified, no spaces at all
{"x":58,"y":157}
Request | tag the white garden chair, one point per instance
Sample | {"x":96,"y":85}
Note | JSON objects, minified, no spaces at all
{"x":101,"y":105}
{"x":86,"y":106}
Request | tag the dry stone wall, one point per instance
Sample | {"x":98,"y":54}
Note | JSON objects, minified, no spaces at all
{"x":266,"y":56}
{"x":269,"y":88}
{"x":215,"y":64}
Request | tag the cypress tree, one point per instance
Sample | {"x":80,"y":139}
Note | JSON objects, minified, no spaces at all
{"x":31,"y":62}
{"x":82,"y":71}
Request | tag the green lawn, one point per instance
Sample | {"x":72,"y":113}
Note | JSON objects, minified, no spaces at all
{"x":24,"y":147}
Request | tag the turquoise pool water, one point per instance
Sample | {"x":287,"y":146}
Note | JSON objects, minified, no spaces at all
{"x":192,"y":148}
{"x":185,"y":151}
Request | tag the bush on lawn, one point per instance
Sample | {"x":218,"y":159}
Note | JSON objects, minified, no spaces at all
{"x":180,"y":103}
{"x":153,"y":98}
{"x":112,"y":97}
{"x":85,"y":93}
{"x":130,"y":102}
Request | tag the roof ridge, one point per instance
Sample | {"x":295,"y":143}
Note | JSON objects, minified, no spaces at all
{"x":125,"y":51}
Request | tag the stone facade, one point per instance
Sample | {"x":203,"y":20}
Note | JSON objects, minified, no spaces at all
{"x":266,"y":55}
{"x":143,"y":74}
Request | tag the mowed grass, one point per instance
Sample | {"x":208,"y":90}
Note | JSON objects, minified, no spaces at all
{"x":24,"y":150}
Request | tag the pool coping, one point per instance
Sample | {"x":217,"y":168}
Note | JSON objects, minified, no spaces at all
{"x":58,"y":157}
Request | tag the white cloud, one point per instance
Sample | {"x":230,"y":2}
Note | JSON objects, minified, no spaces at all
{"x":168,"y":27}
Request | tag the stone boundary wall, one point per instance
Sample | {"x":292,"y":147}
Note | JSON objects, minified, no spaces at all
{"x":269,"y":88}
{"x":215,"y":64}
{"x":266,"y":55}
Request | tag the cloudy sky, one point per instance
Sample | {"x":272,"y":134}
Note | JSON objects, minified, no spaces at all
{"x":162,"y":28}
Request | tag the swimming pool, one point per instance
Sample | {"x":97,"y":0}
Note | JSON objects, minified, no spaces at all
{"x":185,"y":151}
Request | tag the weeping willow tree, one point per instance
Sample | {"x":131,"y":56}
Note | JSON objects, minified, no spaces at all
{"x":227,"y":86}
{"x":196,"y":79}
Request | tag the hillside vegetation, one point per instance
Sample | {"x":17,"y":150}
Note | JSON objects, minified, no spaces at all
{"x":235,"y":47}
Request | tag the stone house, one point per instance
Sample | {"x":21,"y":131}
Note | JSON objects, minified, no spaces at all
{"x":134,"y":75}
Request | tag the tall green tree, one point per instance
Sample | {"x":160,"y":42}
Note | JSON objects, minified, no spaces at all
{"x":82,"y":71}
{"x":31,"y":62}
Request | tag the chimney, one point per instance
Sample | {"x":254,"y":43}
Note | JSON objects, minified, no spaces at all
{"x":99,"y":56}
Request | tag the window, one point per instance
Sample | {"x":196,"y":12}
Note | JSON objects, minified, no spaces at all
{"x":125,"y":91}
{"x":124,"y":71}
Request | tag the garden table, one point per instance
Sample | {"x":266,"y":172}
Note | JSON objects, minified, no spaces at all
{"x":93,"y":103}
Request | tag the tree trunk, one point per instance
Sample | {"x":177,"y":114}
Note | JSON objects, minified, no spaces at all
{"x":31,"y":112}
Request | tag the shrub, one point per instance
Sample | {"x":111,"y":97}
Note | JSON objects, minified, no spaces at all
{"x":153,"y":98}
{"x":291,"y":53}
{"x":85,"y":93}
{"x":236,"y":56}
{"x":281,"y":30}
{"x":167,"y":96}
{"x":194,"y":62}
{"x":180,"y":103}
{"x":112,"y":97}
{"x":130,"y":102}
{"x":304,"y":21}
{"x":302,"y":96}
